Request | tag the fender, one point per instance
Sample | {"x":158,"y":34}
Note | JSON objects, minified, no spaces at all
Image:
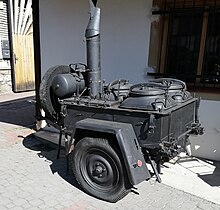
{"x":131,"y":152}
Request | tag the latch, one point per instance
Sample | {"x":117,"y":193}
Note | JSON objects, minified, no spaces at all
{"x":152,"y":125}
{"x":63,"y":111}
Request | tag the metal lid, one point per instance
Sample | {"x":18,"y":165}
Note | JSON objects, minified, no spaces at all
{"x":170,"y":83}
{"x":147,"y":91}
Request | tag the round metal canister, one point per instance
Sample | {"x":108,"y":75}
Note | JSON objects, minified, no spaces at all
{"x":176,"y":89}
{"x":65,"y":85}
{"x":146,"y":98}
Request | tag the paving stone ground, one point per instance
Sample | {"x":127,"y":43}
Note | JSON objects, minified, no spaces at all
{"x":32,"y":178}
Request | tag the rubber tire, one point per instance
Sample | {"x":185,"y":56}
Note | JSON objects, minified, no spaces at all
{"x":87,"y":146}
{"x":48,"y":100}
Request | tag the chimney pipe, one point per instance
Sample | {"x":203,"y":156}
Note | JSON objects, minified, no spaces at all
{"x":93,"y":78}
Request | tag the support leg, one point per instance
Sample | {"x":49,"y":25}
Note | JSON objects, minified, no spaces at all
{"x":155,"y":169}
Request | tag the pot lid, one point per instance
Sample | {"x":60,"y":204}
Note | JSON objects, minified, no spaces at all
{"x":170,"y":83}
{"x":147,"y":91}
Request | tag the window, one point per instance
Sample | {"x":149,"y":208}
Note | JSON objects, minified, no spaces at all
{"x":211,"y":65}
{"x":189,"y":41}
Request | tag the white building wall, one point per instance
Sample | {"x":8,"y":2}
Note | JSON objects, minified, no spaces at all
{"x":208,"y":145}
{"x":125,"y":32}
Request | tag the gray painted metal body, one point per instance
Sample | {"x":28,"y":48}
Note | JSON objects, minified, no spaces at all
{"x":147,"y":122}
{"x":93,"y":77}
{"x":128,"y":144}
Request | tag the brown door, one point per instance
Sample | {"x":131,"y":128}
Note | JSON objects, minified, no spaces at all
{"x":22,"y":42}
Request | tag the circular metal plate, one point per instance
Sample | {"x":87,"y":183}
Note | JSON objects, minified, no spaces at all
{"x":147,"y":91}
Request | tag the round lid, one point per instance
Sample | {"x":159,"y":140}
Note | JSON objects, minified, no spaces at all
{"x":170,"y":83}
{"x":147,"y":91}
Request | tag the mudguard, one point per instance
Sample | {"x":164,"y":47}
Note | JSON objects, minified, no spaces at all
{"x":131,"y":152}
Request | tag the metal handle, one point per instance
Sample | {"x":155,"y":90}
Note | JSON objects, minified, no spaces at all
{"x":168,"y":82}
{"x":15,"y":58}
{"x":118,"y":81}
{"x":148,"y":84}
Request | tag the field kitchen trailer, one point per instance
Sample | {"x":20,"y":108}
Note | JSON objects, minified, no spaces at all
{"x":112,"y":130}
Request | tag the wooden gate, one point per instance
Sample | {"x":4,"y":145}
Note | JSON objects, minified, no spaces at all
{"x":22,"y":42}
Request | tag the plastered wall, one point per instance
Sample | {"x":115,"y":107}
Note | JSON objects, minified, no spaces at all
{"x":125,"y":33}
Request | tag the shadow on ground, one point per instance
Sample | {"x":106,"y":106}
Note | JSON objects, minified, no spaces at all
{"x":49,"y":151}
{"x":207,"y":170}
{"x":18,"y":112}
{"x":214,"y":178}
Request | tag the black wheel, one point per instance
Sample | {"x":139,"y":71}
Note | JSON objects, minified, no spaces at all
{"x":49,"y":101}
{"x":98,"y":169}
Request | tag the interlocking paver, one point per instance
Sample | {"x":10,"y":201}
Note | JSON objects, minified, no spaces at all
{"x":19,"y":201}
{"x":26,"y":206}
{"x":214,"y":206}
{"x":36,"y":202}
{"x":58,"y":207}
{"x":5,"y":201}
{"x":10,"y":205}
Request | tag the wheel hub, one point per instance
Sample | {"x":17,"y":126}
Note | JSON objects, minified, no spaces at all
{"x":99,"y":170}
